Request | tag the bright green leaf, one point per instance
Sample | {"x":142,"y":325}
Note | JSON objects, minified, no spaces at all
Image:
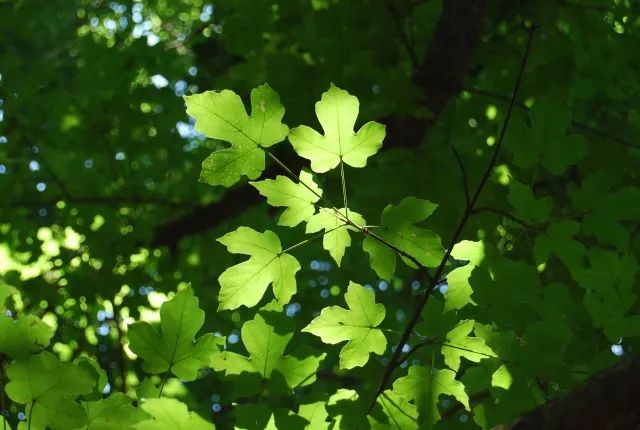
{"x":23,"y":336}
{"x":171,"y":414}
{"x":113,"y":413}
{"x":48,"y":387}
{"x":459,"y":292}
{"x":399,"y":413}
{"x":266,"y":338}
{"x":355,"y":325}
{"x":458,"y":344}
{"x":337,"y":112}
{"x":336,"y":238}
{"x":316,"y":414}
{"x":221,"y":115}
{"x":246,"y":283}
{"x":298,"y":199}
{"x":424,"y":386}
{"x":399,"y":230}
{"x":171,"y":345}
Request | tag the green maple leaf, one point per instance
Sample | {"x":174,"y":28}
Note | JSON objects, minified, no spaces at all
{"x":424,"y":386}
{"x":171,"y":414}
{"x":113,"y":413}
{"x":48,"y":388}
{"x":610,"y":290}
{"x":458,"y":344}
{"x":299,"y":200}
{"x":316,"y":414}
{"x":246,"y":283}
{"x":398,"y":229}
{"x":171,"y":346}
{"x":459,"y":292}
{"x":398,"y":412}
{"x":221,"y":115}
{"x":347,"y":410}
{"x":528,"y":208}
{"x":546,"y":142}
{"x":336,"y":238}
{"x":261,"y":417}
{"x":5,"y":291}
{"x":337,"y":111}
{"x":266,"y":338}
{"x":23,"y":336}
{"x":558,"y":239}
{"x":357,"y":325}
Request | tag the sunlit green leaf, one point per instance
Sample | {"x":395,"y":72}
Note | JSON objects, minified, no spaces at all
{"x":246,"y":283}
{"x":337,"y":112}
{"x":398,"y":229}
{"x":171,"y":345}
{"x":357,"y":325}
{"x":48,"y":387}
{"x":171,"y":414}
{"x":116,"y":412}
{"x":424,"y":386}
{"x":298,"y":199}
{"x":221,"y":115}
{"x":266,"y":338}
{"x":336,"y":238}
{"x":22,"y":336}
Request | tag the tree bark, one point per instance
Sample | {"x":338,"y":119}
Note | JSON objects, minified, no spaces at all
{"x":609,"y":400}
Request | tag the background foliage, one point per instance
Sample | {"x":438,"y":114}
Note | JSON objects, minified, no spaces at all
{"x":103,"y":219}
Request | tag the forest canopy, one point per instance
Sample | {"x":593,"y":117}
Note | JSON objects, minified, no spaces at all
{"x":319,"y":214}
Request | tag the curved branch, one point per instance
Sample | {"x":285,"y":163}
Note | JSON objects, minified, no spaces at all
{"x":415,"y":317}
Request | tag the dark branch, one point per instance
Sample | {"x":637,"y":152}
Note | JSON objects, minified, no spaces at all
{"x":463,"y":173}
{"x":607,"y":401}
{"x":422,"y":301}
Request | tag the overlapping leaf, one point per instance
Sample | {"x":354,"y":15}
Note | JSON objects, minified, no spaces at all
{"x":246,"y":283}
{"x":116,"y":412}
{"x":48,"y":387}
{"x":337,"y":111}
{"x":221,"y":115}
{"x":528,"y":208}
{"x":546,"y":142}
{"x":399,"y":230}
{"x":266,"y":338}
{"x":336,"y":238}
{"x":298,"y":199}
{"x":458,"y":344}
{"x":357,"y":325}
{"x":459,"y":291}
{"x":23,"y":336}
{"x":423,"y":386}
{"x":171,"y":345}
{"x":171,"y":414}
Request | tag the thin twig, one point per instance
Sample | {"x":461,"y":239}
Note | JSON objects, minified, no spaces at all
{"x":164,"y":380}
{"x":574,"y":123}
{"x":311,"y":239}
{"x":463,"y":172}
{"x":406,"y":42}
{"x":467,"y":214}
{"x":504,"y":214}
{"x":344,"y":189}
